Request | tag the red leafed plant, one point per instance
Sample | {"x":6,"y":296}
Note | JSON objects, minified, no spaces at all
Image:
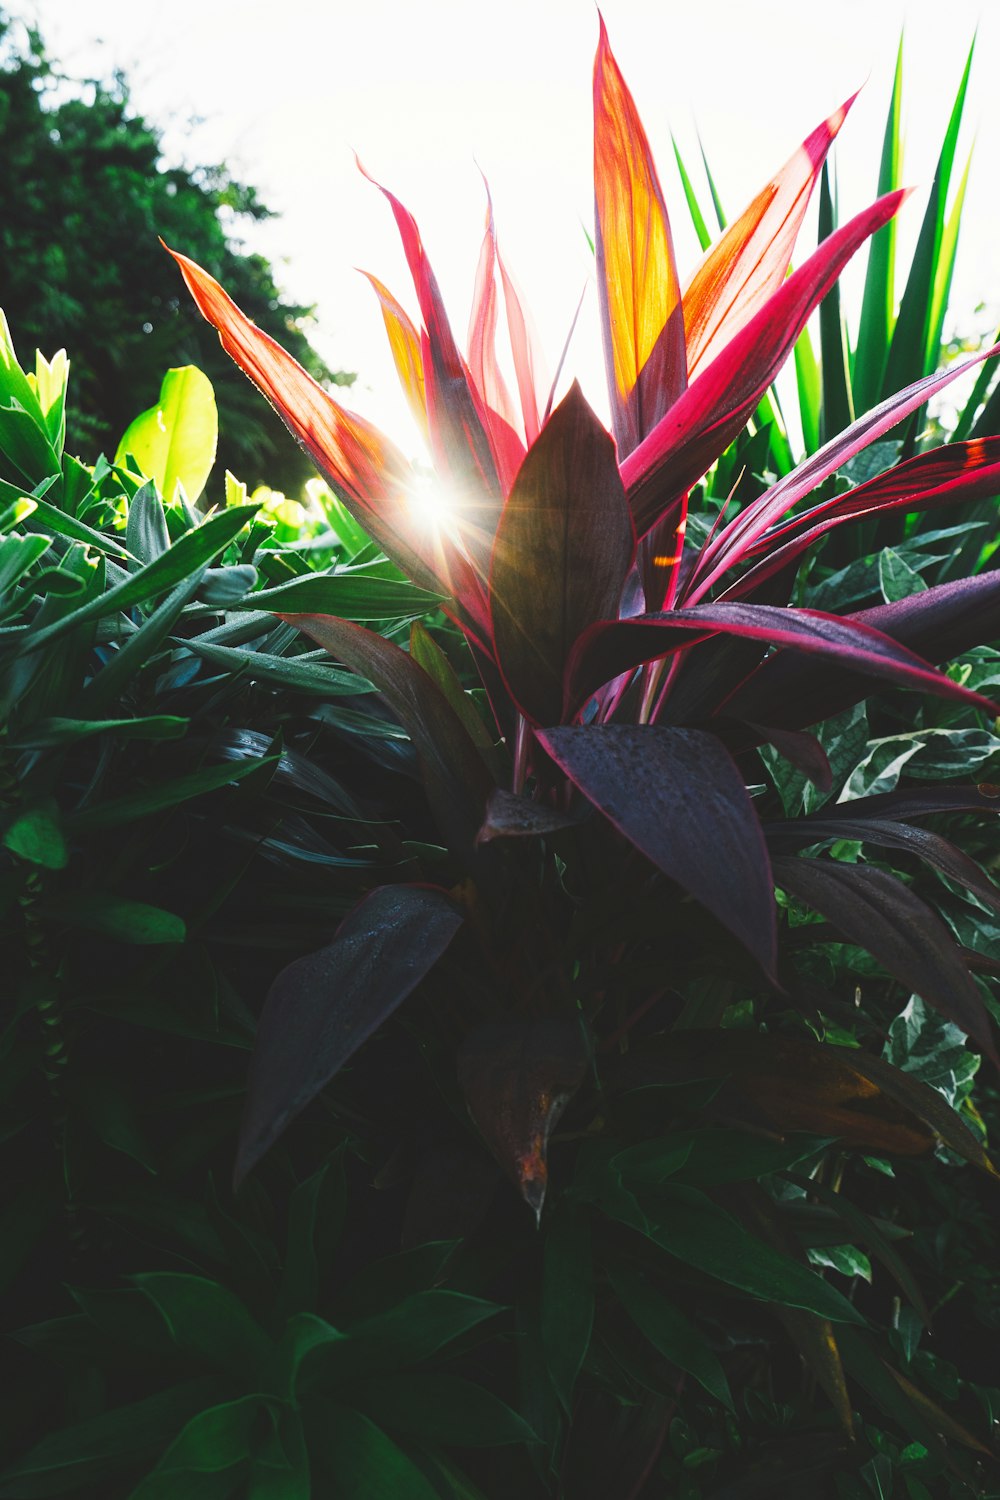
{"x":603,"y":844}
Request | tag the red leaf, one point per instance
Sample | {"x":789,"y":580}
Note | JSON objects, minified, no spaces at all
{"x":404,"y":341}
{"x":747,"y":265}
{"x":371,"y":474}
{"x":907,"y":938}
{"x":563,"y":549}
{"x":321,"y":1008}
{"x":677,"y":795}
{"x":517,"y":1078}
{"x":500,"y":416}
{"x":685,"y":443}
{"x":641,"y":317}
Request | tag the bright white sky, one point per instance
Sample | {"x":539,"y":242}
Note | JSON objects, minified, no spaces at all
{"x":285,"y":92}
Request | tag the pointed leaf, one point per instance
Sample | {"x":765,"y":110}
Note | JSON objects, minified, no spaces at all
{"x":878,"y":301}
{"x":361,"y":464}
{"x":510,"y":816}
{"x":562,"y":552}
{"x":321,"y":1008}
{"x":457,"y":779}
{"x":939,"y":623}
{"x":677,"y":795}
{"x":641,"y":317}
{"x":607,"y":650}
{"x":404,"y":341}
{"x":715,"y":406}
{"x":669,"y":1331}
{"x":884,"y":916}
{"x":748,"y":264}
{"x":498,"y":408}
{"x":517,"y":1078}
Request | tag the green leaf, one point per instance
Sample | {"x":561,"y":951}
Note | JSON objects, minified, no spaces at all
{"x":45,"y":733}
{"x":206,"y":1319}
{"x":808,"y":386}
{"x":155,"y":799}
{"x":689,"y":1226}
{"x":316,"y":1212}
{"x":440,"y":1409}
{"x":669,"y":1331}
{"x":174,"y":441}
{"x":124,"y":664}
{"x":347,"y":596}
{"x":319,"y":678}
{"x":878,"y":300}
{"x":362,"y":1461}
{"x":896,"y":578}
{"x":189,"y":553}
{"x":908,"y":351}
{"x":567,"y":1305}
{"x":836,"y":411}
{"x":49,"y":385}
{"x":36,"y":835}
{"x":19,"y":553}
{"x":697,"y":218}
{"x":416,"y":1328}
{"x":126,"y":921}
{"x":101,"y":1446}
{"x":213,"y":1440}
{"x":146,"y":534}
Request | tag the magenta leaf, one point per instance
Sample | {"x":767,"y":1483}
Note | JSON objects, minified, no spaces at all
{"x":608,"y":649}
{"x":907,"y":938}
{"x":803,"y":751}
{"x":517,"y":1078}
{"x":321,"y":1008}
{"x":563,"y":549}
{"x":677,"y":795}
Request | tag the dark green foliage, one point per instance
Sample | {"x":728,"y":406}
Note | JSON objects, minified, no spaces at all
{"x":83,"y":195}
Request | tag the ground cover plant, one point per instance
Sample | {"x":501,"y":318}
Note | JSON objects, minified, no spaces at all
{"x":610,"y":1124}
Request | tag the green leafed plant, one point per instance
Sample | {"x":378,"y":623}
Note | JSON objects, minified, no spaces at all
{"x":566,"y":1164}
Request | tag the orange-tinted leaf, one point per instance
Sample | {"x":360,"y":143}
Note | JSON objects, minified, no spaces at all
{"x":517,"y":1078}
{"x":369,"y":471}
{"x":641,"y":317}
{"x":743,"y":268}
{"x":404,"y":341}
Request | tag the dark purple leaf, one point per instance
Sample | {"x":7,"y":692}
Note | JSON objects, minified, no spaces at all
{"x":918,"y":803}
{"x":517,"y":1078}
{"x":322,"y":1007}
{"x":907,"y":938}
{"x":509,"y":816}
{"x":615,"y":646}
{"x":456,"y":777}
{"x":563,"y":549}
{"x":934,"y":850}
{"x":677,"y":795}
{"x":803,"y":751}
{"x":938,"y":624}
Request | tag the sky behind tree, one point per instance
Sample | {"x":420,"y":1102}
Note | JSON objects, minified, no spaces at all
{"x":429,"y":95}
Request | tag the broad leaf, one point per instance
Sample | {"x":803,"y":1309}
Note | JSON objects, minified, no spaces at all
{"x":174,"y":441}
{"x":517,"y":1078}
{"x":562,"y":552}
{"x":669,"y":1331}
{"x":321,"y":1008}
{"x":877,"y":911}
{"x":677,"y":795}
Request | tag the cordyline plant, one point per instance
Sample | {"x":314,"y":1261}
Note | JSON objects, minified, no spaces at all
{"x":631,"y":676}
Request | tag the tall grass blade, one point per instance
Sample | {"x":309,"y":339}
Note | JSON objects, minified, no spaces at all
{"x":878,"y":300}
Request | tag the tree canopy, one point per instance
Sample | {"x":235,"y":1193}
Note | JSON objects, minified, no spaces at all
{"x":84,"y":195}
